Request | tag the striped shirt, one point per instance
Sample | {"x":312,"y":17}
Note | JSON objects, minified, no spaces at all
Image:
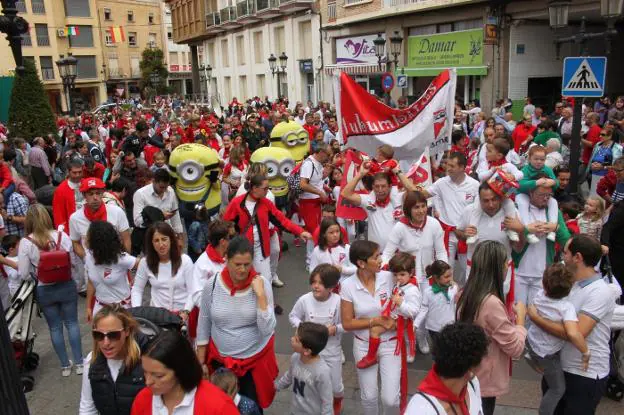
{"x":38,"y":158}
{"x":237,"y":326}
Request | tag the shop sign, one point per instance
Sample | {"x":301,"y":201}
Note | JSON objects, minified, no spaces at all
{"x":446,"y":50}
{"x":305,"y":66}
{"x":356,"y":50}
{"x":490,"y":36}
{"x":174,"y":68}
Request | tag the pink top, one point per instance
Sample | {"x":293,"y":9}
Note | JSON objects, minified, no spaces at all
{"x":506,"y":342}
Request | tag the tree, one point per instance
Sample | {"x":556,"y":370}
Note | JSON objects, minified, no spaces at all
{"x":152,"y":61}
{"x":30,"y":114}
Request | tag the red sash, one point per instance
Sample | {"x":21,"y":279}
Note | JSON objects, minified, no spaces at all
{"x":462,"y":247}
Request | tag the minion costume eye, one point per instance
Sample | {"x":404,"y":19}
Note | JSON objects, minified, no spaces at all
{"x":190,"y":171}
{"x":303,"y":137}
{"x":290,"y":139}
{"x":286,"y":167}
{"x":272,"y":168}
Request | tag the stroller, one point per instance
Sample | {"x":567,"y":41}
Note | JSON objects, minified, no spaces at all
{"x":19,"y":320}
{"x":615,"y":382}
{"x":152,"y":320}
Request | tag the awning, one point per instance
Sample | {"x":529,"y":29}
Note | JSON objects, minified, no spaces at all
{"x":353,"y":69}
{"x":461,"y":70}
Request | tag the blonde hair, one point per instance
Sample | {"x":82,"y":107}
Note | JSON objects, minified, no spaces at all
{"x":38,"y":223}
{"x":237,"y":155}
{"x":225,"y":380}
{"x":131,"y":347}
{"x":601,"y":206}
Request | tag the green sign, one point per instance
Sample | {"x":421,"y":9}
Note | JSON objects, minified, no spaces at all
{"x":429,"y":54}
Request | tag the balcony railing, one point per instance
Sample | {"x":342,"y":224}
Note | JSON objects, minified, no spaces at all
{"x":47,"y":74}
{"x":331,"y":12}
{"x":26,"y":40}
{"x":395,"y":3}
{"x":228,"y":14}
{"x":213,"y":19}
{"x":43,"y":41}
{"x":245,"y":8}
{"x":114,"y":73}
{"x":262,"y":5}
{"x":38,"y":7}
{"x":20,"y":6}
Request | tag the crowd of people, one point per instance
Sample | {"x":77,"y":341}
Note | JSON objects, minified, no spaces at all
{"x":466,"y":269}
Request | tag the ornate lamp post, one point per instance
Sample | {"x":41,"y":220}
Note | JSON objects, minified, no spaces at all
{"x":279,"y":70}
{"x":67,"y":69}
{"x":396,"y":45}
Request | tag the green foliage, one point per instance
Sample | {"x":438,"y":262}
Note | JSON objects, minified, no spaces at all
{"x":30,"y":114}
{"x":152,"y":60}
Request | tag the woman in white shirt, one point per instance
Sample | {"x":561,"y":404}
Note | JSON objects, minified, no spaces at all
{"x":451,"y":387}
{"x":168,"y":270}
{"x":107,"y":268}
{"x":113,"y":373}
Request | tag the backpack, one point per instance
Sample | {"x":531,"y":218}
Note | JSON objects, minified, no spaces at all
{"x":294,"y":182}
{"x":54,"y":264}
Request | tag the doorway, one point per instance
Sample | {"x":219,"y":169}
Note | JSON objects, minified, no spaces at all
{"x":545,"y":92}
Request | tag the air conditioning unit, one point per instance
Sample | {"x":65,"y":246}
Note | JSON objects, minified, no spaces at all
{"x":61,"y":33}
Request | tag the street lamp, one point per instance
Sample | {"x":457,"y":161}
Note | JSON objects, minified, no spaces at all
{"x":67,"y":69}
{"x":396,"y":45}
{"x":610,"y":10}
{"x":155,"y":81}
{"x":205,"y":74}
{"x":279,"y":70}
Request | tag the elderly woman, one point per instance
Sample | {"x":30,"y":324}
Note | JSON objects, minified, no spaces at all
{"x":482,"y":302}
{"x":244,"y":341}
{"x":604,"y":153}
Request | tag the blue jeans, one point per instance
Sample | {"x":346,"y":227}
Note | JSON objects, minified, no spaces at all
{"x":59,"y":303}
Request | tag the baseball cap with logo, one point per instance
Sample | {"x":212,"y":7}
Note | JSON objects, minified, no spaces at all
{"x":91,"y":183}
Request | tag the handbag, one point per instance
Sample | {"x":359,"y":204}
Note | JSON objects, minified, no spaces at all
{"x":54,"y":264}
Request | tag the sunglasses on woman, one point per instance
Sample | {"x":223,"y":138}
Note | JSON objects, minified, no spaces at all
{"x":111,"y":335}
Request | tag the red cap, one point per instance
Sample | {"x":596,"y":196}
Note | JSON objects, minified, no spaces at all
{"x":91,"y":183}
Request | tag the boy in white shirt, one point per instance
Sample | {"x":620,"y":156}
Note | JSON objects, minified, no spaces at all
{"x":322,"y":306}
{"x":10,"y":244}
{"x":544,"y":348}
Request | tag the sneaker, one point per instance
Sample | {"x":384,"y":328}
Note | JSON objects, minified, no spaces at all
{"x":423,"y":343}
{"x":277,"y":282}
{"x":79,"y":369}
{"x":278,"y":310}
{"x":66,"y":371}
{"x":513,"y":236}
{"x":471,"y":240}
{"x":342,"y":357}
{"x":551,"y":236}
{"x":532,"y":239}
{"x":367,"y":361}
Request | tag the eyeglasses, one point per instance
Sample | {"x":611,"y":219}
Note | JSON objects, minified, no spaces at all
{"x":99,"y":336}
{"x":618,"y":170}
{"x":604,"y":135}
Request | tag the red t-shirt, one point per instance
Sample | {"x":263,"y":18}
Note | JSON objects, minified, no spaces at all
{"x":593,"y":135}
{"x":98,"y":171}
{"x":149,"y":151}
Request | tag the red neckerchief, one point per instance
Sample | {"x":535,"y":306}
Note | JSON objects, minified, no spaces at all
{"x":409,"y":224}
{"x":227,"y":280}
{"x":119,"y":201}
{"x":497,"y":163}
{"x":382,"y":203}
{"x":330,"y":247}
{"x":432,"y":385}
{"x":214,"y":256}
{"x":99,"y":214}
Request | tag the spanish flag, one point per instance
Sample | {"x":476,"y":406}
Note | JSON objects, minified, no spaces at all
{"x":117,"y":34}
{"x":72,"y":31}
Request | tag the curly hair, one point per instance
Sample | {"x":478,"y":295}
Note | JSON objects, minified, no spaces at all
{"x":459,"y":348}
{"x":104,"y":242}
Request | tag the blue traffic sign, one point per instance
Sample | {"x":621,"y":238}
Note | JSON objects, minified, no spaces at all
{"x":387,"y":82}
{"x":584,"y":76}
{"x":401,"y":81}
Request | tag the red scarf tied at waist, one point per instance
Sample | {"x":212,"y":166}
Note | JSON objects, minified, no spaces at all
{"x":263,"y":366}
{"x":227,"y":280}
{"x":99,"y":214}
{"x":462,"y":247}
{"x":433,"y":385}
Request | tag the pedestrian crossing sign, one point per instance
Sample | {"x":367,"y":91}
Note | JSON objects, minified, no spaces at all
{"x":584,"y":76}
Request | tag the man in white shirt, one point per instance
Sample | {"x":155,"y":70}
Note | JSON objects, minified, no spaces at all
{"x":95,"y":209}
{"x":331,"y":132}
{"x":594,"y":302}
{"x":160,"y":195}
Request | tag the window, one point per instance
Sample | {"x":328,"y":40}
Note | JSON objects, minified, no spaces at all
{"x":132,"y":38}
{"x":41,"y":31}
{"x":77,"y":8}
{"x":305,"y":39}
{"x":169,"y":35}
{"x":86,"y":68}
{"x":280,"y":44}
{"x":173,"y":58}
{"x":26,"y":39}
{"x":152,"y":39}
{"x":260,"y":85}
{"x":108,"y":39}
{"x":520,"y":48}
{"x":135,"y":66}
{"x":130,"y":16}
{"x":21,"y":6}
{"x":38,"y":7}
{"x":242,"y":83}
{"x":113,"y":68}
{"x":107,"y":14}
{"x":150,"y":18}
{"x":47,"y":67}
{"x":225,"y":53}
{"x":257,"y":45}
{"x":240,"y":50}
{"x":84,"y":38}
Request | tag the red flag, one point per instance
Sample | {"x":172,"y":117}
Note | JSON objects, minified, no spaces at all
{"x":344,"y":209}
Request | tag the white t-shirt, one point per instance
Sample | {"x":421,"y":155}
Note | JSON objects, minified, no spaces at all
{"x":312,"y":170}
{"x":436,"y":310}
{"x":79,"y":224}
{"x":204,"y":269}
{"x":327,"y":313}
{"x":364,"y":304}
{"x":543,"y":343}
{"x":594,"y":298}
{"x":78,"y":196}
{"x":419,"y":405}
{"x":110,"y":281}
{"x":533,"y":262}
{"x":338,"y":255}
{"x":13,"y":277}
{"x":381,"y":219}
{"x":453,"y":197}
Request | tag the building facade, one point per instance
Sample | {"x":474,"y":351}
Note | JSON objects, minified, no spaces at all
{"x":178,"y":58}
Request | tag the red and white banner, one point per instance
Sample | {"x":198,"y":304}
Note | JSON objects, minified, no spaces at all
{"x":365,"y":123}
{"x":344,"y":209}
{"x":420,"y":171}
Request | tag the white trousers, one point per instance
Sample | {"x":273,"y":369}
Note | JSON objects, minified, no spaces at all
{"x":334,"y":363}
{"x":389,"y":367}
{"x":527,"y":288}
{"x":275,"y":253}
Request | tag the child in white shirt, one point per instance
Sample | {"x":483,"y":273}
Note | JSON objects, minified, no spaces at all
{"x":404,"y":307}
{"x":544,"y":348}
{"x":496,"y":151}
{"x":10,"y":244}
{"x":331,"y":249}
{"x":322,"y":306}
{"x":438,"y":304}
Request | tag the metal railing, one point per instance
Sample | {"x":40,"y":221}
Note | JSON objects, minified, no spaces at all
{"x":213,"y":19}
{"x":114,"y":73}
{"x":26,"y":40}
{"x":47,"y":74}
{"x":262,"y":5}
{"x":228,"y":14}
{"x":245,"y":8}
{"x":43,"y":41}
{"x":331,"y":11}
{"x":394,"y":3}
{"x":38,"y":7}
{"x":21,"y":6}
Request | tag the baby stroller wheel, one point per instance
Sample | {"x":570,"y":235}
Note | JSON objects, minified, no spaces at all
{"x":31,"y":362}
{"x":28,"y":383}
{"x":615,"y":389}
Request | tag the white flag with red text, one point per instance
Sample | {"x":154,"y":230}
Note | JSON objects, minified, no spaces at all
{"x":365,"y":123}
{"x":420,"y":171}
